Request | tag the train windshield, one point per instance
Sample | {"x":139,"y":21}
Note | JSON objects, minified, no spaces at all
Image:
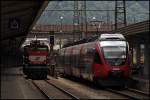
{"x":41,"y":48}
{"x":114,"y":52}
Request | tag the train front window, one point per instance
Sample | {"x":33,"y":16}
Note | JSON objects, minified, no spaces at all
{"x":114,"y":51}
{"x":42,"y":49}
{"x":115,"y":55}
{"x":39,"y":49}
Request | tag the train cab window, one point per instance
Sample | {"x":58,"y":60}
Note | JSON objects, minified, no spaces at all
{"x":97,"y":58}
{"x":42,"y":49}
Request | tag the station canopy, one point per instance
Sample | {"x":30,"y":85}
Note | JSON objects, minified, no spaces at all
{"x":17,"y":19}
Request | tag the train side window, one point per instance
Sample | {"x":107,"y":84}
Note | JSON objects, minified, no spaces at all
{"x":97,"y":59}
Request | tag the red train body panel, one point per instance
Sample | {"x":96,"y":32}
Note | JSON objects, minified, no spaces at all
{"x":38,"y":55}
{"x":98,"y":60}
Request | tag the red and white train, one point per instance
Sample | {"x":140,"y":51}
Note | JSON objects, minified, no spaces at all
{"x":36,"y":59}
{"x":103,"y":59}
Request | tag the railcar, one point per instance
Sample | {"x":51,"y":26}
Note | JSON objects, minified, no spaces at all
{"x":103,"y":59}
{"x":35,"y":59}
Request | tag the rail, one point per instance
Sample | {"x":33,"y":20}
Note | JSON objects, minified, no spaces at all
{"x":61,"y":89}
{"x":45,"y":91}
{"x":134,"y":90}
{"x":132,"y":94}
{"x":40,"y":89}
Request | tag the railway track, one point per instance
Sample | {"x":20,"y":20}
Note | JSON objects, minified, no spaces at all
{"x":52,"y":91}
{"x":144,"y":93}
{"x":63,"y":90}
{"x":40,"y":89}
{"x":63,"y":93}
{"x":130,"y":93}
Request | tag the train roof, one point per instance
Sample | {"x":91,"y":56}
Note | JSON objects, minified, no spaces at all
{"x":111,"y":37}
{"x":102,"y":37}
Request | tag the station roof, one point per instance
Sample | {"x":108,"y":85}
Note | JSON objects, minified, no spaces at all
{"x":134,"y":29}
{"x":18,"y":18}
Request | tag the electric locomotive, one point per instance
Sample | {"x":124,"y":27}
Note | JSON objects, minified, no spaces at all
{"x":35,"y":59}
{"x":103,"y":59}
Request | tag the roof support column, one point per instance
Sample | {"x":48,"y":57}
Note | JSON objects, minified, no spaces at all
{"x":146,"y":58}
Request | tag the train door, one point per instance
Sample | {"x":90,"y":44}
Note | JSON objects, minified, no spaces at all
{"x":80,"y":62}
{"x":60,"y":61}
{"x":87,"y":61}
{"x":68,"y":61}
{"x":65,"y":60}
{"x":75,"y":63}
{"x":90,"y":55}
{"x":70,"y":70}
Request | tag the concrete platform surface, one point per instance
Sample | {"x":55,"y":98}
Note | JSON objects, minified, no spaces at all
{"x":15,"y":86}
{"x":141,"y":83}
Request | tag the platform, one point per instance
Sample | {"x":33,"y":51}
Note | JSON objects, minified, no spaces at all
{"x":140,"y":83}
{"x":15,"y":86}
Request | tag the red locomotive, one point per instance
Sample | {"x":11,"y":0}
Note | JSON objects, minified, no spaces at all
{"x":103,"y":59}
{"x":35,"y":59}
